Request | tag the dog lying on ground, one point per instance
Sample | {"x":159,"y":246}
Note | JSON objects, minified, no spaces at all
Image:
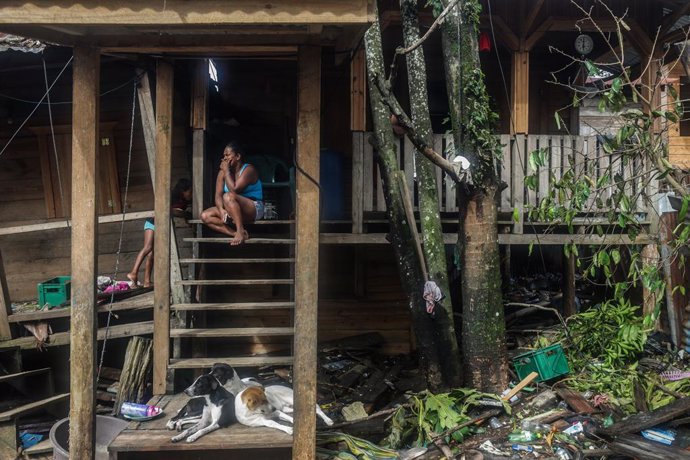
{"x":227,"y":376}
{"x":257,"y":406}
{"x":281,"y":398}
{"x":218,"y":410}
{"x":191,"y":412}
{"x":188,"y":415}
{"x":253,"y":409}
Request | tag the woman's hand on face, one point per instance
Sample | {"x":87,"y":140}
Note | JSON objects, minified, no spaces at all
{"x":224,"y":165}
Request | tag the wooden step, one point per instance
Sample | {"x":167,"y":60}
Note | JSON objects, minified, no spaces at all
{"x":227,"y":240}
{"x":244,"y":361}
{"x":237,"y":306}
{"x":239,"y":261}
{"x":233,"y":282}
{"x":19,"y":375}
{"x":258,"y":222}
{"x":233,"y":332}
{"x":32,"y":407}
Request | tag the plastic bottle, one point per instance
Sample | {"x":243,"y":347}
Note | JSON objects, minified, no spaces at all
{"x":139,"y":410}
{"x":520,"y":447}
{"x":523,"y":436}
{"x":529,"y":425}
{"x":562,"y":454}
{"x":495,"y":423}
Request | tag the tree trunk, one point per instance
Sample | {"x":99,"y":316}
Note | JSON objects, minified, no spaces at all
{"x":483,"y":338}
{"x":432,"y":232}
{"x":483,"y":328}
{"x":409,"y":263}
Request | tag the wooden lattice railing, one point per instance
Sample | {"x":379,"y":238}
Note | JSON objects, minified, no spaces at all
{"x":583,"y":153}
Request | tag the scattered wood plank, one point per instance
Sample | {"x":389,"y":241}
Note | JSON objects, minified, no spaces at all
{"x":523,"y":383}
{"x":575,"y":401}
{"x":641,"y":421}
{"x":638,"y":447}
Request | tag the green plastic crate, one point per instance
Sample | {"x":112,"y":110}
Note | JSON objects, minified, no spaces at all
{"x":54,"y":292}
{"x":549,"y":363}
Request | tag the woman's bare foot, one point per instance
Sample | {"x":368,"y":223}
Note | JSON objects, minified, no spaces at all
{"x":133,"y":278}
{"x":240,"y":237}
{"x":148,"y":285}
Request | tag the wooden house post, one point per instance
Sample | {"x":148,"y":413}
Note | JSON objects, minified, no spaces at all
{"x":520,"y":92}
{"x":307,"y":252}
{"x":84,"y":252}
{"x":161,"y":242}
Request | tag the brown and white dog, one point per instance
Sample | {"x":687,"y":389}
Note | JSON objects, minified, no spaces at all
{"x":253,"y":409}
{"x":256,"y":406}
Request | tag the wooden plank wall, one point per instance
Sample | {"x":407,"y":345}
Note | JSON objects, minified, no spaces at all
{"x":35,"y":257}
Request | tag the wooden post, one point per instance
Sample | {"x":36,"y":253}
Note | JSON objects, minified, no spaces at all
{"x":358,"y":91}
{"x":84,"y":252}
{"x":161,"y":244}
{"x":520,"y":92}
{"x":5,"y":305}
{"x":568,"y":282}
{"x":307,"y":256}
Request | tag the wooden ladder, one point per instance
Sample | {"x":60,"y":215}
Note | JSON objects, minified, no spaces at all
{"x":247,"y":275}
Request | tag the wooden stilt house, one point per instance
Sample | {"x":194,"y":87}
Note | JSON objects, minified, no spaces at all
{"x":156,"y":89}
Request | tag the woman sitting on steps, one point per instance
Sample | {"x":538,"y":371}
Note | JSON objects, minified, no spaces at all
{"x":238,"y":197}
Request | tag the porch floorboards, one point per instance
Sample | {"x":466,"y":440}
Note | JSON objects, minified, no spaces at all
{"x":152,"y":436}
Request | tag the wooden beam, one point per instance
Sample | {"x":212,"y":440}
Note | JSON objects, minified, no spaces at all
{"x":218,"y":50}
{"x":520,"y":92}
{"x":148,"y":123}
{"x":672,"y":18}
{"x":531,"y":17}
{"x":63,"y":338}
{"x":503,"y":238}
{"x":183,"y":12}
{"x":161,"y":264}
{"x":358,"y":92}
{"x":5,"y":305}
{"x":200,"y":84}
{"x":677,"y":35}
{"x":62,"y":223}
{"x":506,"y":33}
{"x":537,"y":35}
{"x":83,"y":323}
{"x":307,"y":252}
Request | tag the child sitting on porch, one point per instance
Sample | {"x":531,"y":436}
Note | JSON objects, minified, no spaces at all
{"x":238,"y":197}
{"x":181,"y":197}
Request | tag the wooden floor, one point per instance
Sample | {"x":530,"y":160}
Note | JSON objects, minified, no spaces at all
{"x":143,"y":439}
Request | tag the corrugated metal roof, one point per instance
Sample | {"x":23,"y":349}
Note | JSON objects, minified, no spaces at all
{"x":17,"y":43}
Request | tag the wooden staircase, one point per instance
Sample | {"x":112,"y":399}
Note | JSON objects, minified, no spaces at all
{"x":244,"y":317}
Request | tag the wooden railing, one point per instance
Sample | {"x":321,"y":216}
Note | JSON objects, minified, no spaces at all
{"x":584,"y":154}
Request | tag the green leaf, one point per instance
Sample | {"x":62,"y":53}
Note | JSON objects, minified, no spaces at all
{"x":616,"y":256}
{"x":683,"y":208}
{"x":516,"y":215}
{"x":529,"y":250}
{"x":617,"y":84}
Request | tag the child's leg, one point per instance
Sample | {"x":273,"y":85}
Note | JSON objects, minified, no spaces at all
{"x":148,"y":268}
{"x":145,"y":251}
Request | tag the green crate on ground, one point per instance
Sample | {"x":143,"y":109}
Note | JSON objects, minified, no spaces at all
{"x":549,"y":363}
{"x":55,"y":292}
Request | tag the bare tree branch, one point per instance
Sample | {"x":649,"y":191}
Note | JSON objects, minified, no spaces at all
{"x":403,"y":120}
{"x":434,"y":26}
